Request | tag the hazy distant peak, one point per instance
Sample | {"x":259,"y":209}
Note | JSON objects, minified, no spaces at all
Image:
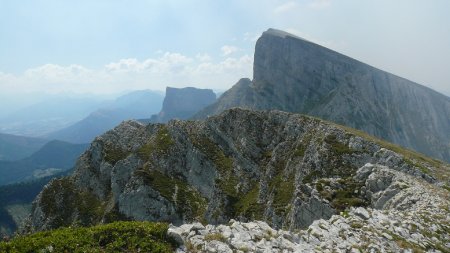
{"x":186,"y":89}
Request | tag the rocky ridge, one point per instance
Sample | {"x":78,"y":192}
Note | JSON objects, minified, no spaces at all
{"x":286,"y":169}
{"x":405,"y":215}
{"x":295,"y":75}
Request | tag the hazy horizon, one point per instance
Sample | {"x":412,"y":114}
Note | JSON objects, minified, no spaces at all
{"x":109,"y":47}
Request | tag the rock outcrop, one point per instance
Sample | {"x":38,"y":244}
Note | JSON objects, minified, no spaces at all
{"x":286,"y":169}
{"x":405,"y":215}
{"x":182,"y":103}
{"x":295,"y":75}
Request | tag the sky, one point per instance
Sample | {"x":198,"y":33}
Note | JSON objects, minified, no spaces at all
{"x":113,"y":46}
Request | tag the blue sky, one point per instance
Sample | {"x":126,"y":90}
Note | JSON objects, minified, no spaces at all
{"x":108,"y":46}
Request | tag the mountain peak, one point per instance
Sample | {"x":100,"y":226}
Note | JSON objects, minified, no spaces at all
{"x":295,"y":75}
{"x":280,"y":33}
{"x":182,"y":103}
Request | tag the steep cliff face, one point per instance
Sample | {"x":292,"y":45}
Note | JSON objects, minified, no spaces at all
{"x":294,"y":75}
{"x":286,"y":169}
{"x":182,"y":103}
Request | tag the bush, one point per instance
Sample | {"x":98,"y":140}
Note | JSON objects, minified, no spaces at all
{"x":113,"y":237}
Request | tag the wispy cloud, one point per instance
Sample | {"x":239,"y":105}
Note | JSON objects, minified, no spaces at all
{"x":168,"y":63}
{"x":285,"y":7}
{"x":203,"y":57}
{"x":251,"y":37}
{"x":169,"y":69}
{"x":228,"y":50}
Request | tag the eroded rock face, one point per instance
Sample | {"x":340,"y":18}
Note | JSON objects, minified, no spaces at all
{"x":283,"y":168}
{"x":295,"y":75}
{"x":413,"y":219}
{"x":182,"y":103}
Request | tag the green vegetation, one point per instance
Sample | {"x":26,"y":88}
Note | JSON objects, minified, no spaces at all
{"x":61,"y":198}
{"x":224,"y":164}
{"x":441,"y":172}
{"x":191,"y":248}
{"x":344,"y":197}
{"x":113,"y":154}
{"x":283,"y":189}
{"x":403,"y":244}
{"x":160,"y":145}
{"x":303,"y":145}
{"x":356,"y":225}
{"x":419,"y":166}
{"x":188,"y":200}
{"x":300,"y":150}
{"x":248,"y":205}
{"x":267,"y":155}
{"x":215,"y":237}
{"x":447,"y":187}
{"x":114,"y":237}
{"x":163,"y":141}
{"x":338,"y":147}
{"x":309,"y":178}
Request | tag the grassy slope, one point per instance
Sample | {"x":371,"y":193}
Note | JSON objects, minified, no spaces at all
{"x":441,"y":169}
{"x":114,"y":237}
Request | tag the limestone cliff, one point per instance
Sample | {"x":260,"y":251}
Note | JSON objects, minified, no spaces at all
{"x":182,"y":103}
{"x":295,"y":75}
{"x":286,"y":169}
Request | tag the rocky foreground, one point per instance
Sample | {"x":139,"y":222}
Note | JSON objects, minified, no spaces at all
{"x":415,"y":219}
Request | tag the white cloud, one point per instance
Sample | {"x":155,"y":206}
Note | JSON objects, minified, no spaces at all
{"x":168,"y":69}
{"x":227,"y":50}
{"x":203,"y":57}
{"x":229,"y":64}
{"x":252,"y":37}
{"x":285,"y":7}
{"x":52,"y":73}
{"x":166,"y":64}
{"x":319,"y":4}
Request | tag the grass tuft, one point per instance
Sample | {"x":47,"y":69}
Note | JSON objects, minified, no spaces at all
{"x":113,"y":237}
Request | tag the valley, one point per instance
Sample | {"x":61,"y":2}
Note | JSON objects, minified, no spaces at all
{"x":318,"y":152}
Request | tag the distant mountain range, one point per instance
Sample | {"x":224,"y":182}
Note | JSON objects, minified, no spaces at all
{"x":52,"y":158}
{"x":295,"y":75}
{"x":13,"y":147}
{"x":48,"y":115}
{"x":134,"y":105}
